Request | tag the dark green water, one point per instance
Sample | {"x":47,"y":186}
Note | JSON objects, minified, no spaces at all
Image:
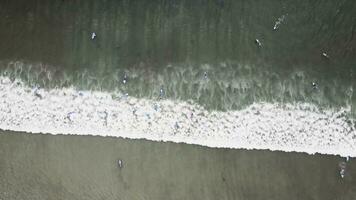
{"x":169,"y":44}
{"x":160,"y":32}
{"x":72,"y":167}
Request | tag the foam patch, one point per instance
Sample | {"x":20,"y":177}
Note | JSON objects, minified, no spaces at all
{"x":296,"y":127}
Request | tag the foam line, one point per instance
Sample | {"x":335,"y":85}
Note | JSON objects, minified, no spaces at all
{"x":296,"y":127}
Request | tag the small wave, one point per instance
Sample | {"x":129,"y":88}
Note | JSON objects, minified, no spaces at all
{"x":299,"y":127}
{"x":221,"y":86}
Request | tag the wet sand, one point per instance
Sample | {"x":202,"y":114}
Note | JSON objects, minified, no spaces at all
{"x":36,"y":166}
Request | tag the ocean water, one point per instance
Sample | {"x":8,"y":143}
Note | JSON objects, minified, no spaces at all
{"x":277,"y":75}
{"x":203,"y":51}
{"x":200,"y":50}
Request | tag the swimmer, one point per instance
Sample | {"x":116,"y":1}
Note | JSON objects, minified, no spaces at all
{"x":120,"y":163}
{"x":342,"y":166}
{"x":314,"y":85}
{"x":205,"y":75}
{"x":125,"y":96}
{"x":156,"y":107}
{"x":342,"y":173}
{"x":124,"y":81}
{"x":161,"y":93}
{"x":37,"y":93}
{"x":69,"y":116}
{"x":106,"y":114}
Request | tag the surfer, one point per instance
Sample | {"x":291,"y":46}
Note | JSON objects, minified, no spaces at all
{"x":279,"y":22}
{"x":93,"y":35}
{"x":257,"y":41}
{"x":325,"y":55}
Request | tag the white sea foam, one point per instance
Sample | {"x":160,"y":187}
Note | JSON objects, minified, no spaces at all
{"x":284,"y":127}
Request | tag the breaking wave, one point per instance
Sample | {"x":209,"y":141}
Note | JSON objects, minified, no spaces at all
{"x":300,"y":127}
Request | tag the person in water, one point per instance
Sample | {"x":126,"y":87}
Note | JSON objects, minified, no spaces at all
{"x":314,"y":85}
{"x":257,"y":41}
{"x":342,"y":166}
{"x":120,"y":163}
{"x":93,"y":35}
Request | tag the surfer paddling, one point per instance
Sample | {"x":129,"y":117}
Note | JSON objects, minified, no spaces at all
{"x":325,"y":55}
{"x":93,"y":35}
{"x":257,"y":41}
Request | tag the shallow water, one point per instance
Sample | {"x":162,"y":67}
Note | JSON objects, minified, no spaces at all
{"x":38,"y":167}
